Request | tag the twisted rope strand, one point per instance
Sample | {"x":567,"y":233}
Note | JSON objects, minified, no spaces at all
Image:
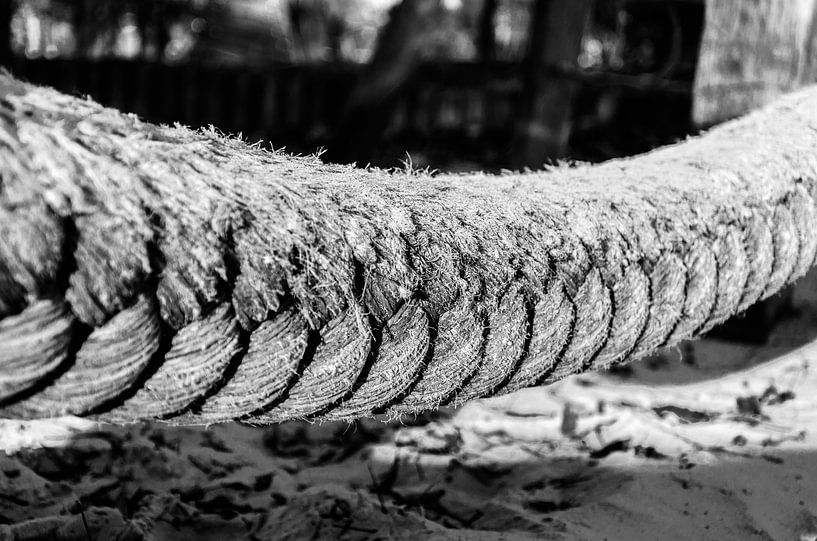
{"x":155,"y":272}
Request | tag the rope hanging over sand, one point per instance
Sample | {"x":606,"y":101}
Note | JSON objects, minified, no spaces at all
{"x":156,"y":272}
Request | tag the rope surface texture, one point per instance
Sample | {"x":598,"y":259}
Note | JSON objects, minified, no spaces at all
{"x":156,"y":272}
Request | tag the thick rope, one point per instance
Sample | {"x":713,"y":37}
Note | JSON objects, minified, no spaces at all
{"x":156,"y":272}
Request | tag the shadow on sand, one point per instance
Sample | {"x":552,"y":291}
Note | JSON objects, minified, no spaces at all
{"x":435,"y":480}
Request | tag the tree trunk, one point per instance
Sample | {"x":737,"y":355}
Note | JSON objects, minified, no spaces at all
{"x":151,"y":271}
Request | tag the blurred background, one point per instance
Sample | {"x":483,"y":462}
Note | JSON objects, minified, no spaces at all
{"x":446,"y":84}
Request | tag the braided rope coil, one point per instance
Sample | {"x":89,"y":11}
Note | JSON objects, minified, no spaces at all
{"x":155,"y":272}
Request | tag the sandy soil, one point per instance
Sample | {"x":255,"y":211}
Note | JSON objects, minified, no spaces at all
{"x":714,"y":440}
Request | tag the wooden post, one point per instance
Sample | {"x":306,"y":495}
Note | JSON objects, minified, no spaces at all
{"x":545,"y":118}
{"x":752,"y":52}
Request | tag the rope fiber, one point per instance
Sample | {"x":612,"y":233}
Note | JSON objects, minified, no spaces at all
{"x":156,"y":272}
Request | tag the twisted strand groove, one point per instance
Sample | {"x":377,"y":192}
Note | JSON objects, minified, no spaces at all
{"x":631,"y":302}
{"x":733,"y":272}
{"x":405,"y":343}
{"x":805,"y":220}
{"x":456,"y":358}
{"x":759,"y":246}
{"x":667,"y":282}
{"x":591,"y":326}
{"x":552,"y":325}
{"x":30,"y":257}
{"x":700,"y":292}
{"x":270,"y":365}
{"x":198,"y":356}
{"x":504,"y":346}
{"x":35,"y":343}
{"x":109,"y":358}
{"x":153,"y":272}
{"x":785,"y":244}
{"x":339,"y":359}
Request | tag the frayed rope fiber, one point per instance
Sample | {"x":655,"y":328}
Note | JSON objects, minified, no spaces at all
{"x":157,"y":272}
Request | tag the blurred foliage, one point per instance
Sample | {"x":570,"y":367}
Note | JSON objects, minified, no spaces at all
{"x":249,"y":31}
{"x":213,"y":31}
{"x":628,"y":36}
